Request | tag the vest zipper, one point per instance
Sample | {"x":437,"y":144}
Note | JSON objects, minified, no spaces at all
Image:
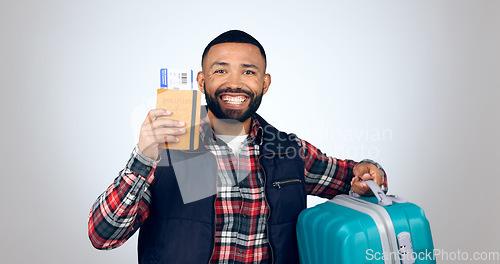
{"x":279,"y":183}
{"x":267,"y":202}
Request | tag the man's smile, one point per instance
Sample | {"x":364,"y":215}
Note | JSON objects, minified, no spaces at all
{"x":234,"y":100}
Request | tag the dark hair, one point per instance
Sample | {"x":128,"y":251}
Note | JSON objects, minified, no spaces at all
{"x":234,"y":36}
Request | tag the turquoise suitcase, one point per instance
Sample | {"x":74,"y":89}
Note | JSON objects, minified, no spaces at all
{"x":382,"y":229}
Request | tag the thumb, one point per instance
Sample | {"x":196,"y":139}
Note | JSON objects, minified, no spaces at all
{"x":367,"y":177}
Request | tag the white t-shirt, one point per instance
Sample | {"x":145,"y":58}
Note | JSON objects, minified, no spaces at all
{"x":234,"y":142}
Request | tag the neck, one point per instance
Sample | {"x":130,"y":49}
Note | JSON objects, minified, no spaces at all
{"x":229,"y":127}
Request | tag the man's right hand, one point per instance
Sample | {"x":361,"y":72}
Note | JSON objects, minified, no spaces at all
{"x":156,"y":131}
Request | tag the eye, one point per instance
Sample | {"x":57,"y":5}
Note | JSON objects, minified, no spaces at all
{"x":219,"y":71}
{"x":248,"y":72}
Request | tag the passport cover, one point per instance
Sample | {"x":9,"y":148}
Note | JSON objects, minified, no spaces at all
{"x":185,"y":106}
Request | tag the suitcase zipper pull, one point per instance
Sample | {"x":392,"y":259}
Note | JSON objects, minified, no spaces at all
{"x":277,"y":184}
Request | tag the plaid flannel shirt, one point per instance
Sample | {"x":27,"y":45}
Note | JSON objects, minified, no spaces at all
{"x":241,"y":208}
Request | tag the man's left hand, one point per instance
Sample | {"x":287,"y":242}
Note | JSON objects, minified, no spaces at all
{"x":365,"y":171}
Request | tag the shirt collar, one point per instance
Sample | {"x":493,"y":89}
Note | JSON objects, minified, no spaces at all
{"x":256,"y":131}
{"x":255,"y":134}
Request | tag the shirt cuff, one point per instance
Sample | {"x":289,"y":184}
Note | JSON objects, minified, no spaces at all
{"x":141,"y":164}
{"x":142,"y":158}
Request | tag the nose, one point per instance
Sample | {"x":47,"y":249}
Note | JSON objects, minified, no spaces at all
{"x":234,"y":81}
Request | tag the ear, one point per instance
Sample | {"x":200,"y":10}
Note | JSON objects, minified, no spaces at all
{"x":267,"y":83}
{"x":200,"y":79}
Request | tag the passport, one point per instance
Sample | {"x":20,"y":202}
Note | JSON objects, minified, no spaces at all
{"x":185,"y":106}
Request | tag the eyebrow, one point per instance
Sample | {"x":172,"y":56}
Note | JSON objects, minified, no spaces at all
{"x":219,"y":63}
{"x":244,"y":65}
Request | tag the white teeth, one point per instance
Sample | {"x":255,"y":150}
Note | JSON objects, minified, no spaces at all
{"x":233,"y":99}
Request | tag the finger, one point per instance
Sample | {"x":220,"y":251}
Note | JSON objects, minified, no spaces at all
{"x":167,"y":139}
{"x":376,"y":175}
{"x":363,"y":186}
{"x":158,"y":134}
{"x":358,"y":188}
{"x":169,"y":131}
{"x":364,"y":189}
{"x":354,"y":179}
{"x":164,"y":122}
{"x":155,"y":114}
{"x":367,"y":177}
{"x":156,"y":141}
{"x":361,"y":169}
{"x":157,"y":128}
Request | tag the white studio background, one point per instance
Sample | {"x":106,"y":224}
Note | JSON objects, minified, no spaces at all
{"x":414,"y":85}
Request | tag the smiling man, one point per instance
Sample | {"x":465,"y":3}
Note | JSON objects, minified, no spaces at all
{"x":234,"y":81}
{"x":260,"y":175}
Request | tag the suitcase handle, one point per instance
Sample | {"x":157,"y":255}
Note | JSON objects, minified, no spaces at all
{"x":383,"y":199}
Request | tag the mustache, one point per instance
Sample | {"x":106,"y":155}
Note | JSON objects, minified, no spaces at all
{"x":237,"y":90}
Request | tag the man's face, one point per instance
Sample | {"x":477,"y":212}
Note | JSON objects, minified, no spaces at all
{"x":233,"y":80}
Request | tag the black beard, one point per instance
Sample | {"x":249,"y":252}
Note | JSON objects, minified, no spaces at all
{"x":235,"y":114}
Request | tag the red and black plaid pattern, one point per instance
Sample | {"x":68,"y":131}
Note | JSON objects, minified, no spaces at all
{"x":326,"y":176}
{"x":122,"y":208}
{"x":241,"y":209}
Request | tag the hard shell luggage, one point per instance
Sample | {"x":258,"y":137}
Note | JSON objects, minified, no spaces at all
{"x":356,"y":230}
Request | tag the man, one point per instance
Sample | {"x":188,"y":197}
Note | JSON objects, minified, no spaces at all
{"x":261,"y":176}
